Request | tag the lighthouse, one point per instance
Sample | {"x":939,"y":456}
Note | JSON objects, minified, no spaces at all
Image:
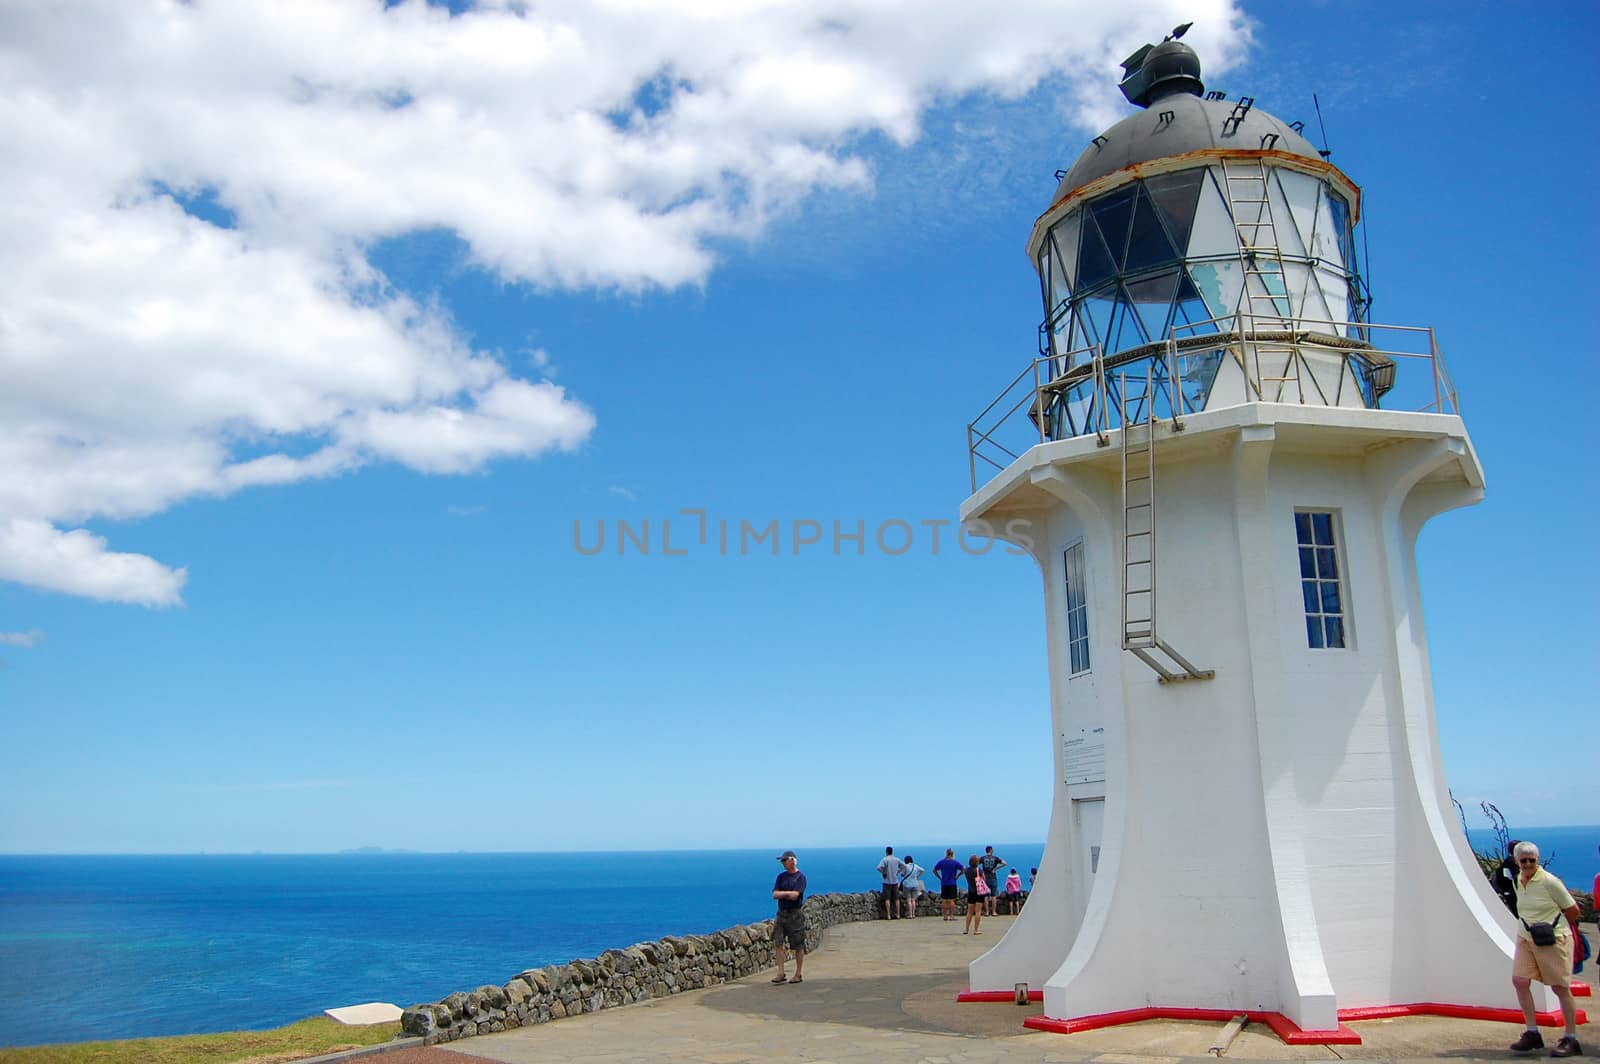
{"x":1223,"y":466}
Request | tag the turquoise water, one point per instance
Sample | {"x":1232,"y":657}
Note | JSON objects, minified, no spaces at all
{"x":121,"y":947}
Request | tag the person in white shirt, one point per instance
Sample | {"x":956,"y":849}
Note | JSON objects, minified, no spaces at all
{"x":911,"y":885}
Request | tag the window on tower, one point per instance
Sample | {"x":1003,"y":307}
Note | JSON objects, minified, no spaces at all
{"x":1321,"y":586}
{"x":1077,"y":609}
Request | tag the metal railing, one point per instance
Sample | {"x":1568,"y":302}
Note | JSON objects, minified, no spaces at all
{"x":1033,"y":407}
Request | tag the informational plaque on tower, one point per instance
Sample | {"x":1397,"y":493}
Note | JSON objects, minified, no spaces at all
{"x":1084,"y":756}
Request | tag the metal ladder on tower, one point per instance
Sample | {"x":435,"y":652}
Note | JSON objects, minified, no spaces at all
{"x":1264,"y":305}
{"x":1139,"y":635}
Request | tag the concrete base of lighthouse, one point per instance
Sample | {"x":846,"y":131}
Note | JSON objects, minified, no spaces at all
{"x":1278,"y":839}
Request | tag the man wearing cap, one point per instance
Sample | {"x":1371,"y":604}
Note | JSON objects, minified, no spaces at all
{"x":789,"y":926}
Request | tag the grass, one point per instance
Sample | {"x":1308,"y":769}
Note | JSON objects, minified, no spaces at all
{"x":308,"y":1038}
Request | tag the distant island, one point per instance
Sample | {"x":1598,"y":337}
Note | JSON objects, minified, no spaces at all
{"x":375,"y":849}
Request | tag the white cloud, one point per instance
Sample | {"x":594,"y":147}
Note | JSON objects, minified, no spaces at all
{"x":148,"y":356}
{"x":78,"y":563}
{"x":27,"y":640}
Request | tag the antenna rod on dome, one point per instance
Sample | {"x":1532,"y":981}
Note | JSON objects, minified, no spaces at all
{"x":1323,"y":151}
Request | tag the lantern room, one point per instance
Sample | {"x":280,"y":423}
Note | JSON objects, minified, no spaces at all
{"x":1192,"y":224}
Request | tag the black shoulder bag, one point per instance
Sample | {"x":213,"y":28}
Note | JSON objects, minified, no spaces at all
{"x":1543,"y":934}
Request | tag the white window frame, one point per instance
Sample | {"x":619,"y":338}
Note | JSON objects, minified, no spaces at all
{"x":1078,"y":568}
{"x":1340,"y":579}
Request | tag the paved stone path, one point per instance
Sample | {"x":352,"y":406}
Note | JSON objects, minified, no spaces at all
{"x":885,"y":991}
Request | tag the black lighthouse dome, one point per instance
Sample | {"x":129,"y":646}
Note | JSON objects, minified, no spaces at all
{"x":1178,"y":123}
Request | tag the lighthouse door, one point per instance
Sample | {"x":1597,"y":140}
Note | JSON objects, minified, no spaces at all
{"x":1088,"y":816}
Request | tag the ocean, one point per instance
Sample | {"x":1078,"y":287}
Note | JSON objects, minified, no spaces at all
{"x":124,"y":947}
{"x":131,"y":946}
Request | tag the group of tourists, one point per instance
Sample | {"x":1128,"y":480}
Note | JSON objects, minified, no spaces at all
{"x":903,"y":886}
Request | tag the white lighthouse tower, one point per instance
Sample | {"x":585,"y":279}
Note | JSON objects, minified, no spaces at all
{"x":1223,"y":467}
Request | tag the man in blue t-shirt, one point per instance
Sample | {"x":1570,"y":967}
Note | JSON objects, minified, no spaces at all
{"x":789,"y":926}
{"x":949,"y":873}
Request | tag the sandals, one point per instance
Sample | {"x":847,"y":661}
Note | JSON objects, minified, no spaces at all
{"x":783,"y":979}
{"x":797,"y":979}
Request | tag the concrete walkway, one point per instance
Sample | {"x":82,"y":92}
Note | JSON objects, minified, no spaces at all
{"x":885,"y":991}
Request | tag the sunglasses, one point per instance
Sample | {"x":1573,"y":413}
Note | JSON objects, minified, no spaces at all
{"x":1527,"y":860}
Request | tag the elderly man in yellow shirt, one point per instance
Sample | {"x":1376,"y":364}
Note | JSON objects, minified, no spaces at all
{"x":1543,"y":899}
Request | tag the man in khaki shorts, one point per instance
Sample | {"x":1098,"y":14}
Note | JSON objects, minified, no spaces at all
{"x":1542,"y":898}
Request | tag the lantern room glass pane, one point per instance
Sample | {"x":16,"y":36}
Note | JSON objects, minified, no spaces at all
{"x":1190,"y":317}
{"x":1335,"y":293}
{"x":1284,"y":225}
{"x":1271,"y":284}
{"x":1328,"y":241}
{"x":1213,"y":232}
{"x":1114,"y":213}
{"x":1341,"y":221}
{"x":1199,"y":371}
{"x":1175,"y":196}
{"x":1152,"y":298}
{"x":1124,"y":330}
{"x":1305,"y":294}
{"x":1095,"y":266}
{"x":1095,"y":314}
{"x":1302,"y":193}
{"x":1218,"y":284}
{"x":1064,"y":236}
{"x":1148,"y":244}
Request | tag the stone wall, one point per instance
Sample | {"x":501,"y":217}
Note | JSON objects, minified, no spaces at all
{"x":639,"y":973}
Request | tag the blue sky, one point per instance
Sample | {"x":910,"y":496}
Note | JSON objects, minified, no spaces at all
{"x":774,"y":300}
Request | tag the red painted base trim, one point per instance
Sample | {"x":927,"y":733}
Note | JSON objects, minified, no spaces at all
{"x":1460,"y":1012}
{"x":1581,"y":990}
{"x":1285,"y":1028}
{"x":997,"y":995}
